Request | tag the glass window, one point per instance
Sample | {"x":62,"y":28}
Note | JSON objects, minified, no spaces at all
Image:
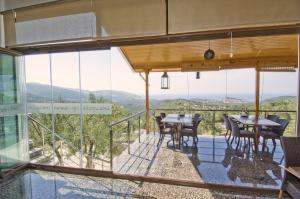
{"x":12,"y":136}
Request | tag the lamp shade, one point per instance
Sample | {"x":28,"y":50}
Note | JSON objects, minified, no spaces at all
{"x":198,"y":75}
{"x":165,"y":81}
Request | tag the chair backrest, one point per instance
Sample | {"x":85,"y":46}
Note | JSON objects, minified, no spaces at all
{"x":226,"y":121}
{"x":163,"y":115}
{"x":234,"y":127}
{"x":273,"y":118}
{"x":291,"y":150}
{"x":196,"y":123}
{"x":283,"y":124}
{"x":159,"y":123}
{"x":197,"y":115}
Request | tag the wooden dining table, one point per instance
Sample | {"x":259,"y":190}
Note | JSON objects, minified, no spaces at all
{"x":179,"y":120}
{"x":256,"y":123}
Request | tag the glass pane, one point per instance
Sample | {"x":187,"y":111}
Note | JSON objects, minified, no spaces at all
{"x":278,"y":93}
{"x":66,"y":92}
{"x":97,"y":108}
{"x":38,"y":88}
{"x":12,"y":135}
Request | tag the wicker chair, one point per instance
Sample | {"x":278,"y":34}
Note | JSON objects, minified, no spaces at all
{"x":190,"y":126}
{"x":162,"y":115}
{"x":227,"y":126}
{"x":274,"y":133}
{"x":238,"y":133}
{"x":193,"y":132}
{"x":291,"y":149}
{"x":273,"y":118}
{"x":164,"y":131}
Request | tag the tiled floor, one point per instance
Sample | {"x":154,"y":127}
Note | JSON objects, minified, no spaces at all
{"x":213,"y":161}
{"x":49,"y":185}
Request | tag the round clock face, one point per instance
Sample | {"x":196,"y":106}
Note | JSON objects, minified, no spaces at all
{"x":209,"y":54}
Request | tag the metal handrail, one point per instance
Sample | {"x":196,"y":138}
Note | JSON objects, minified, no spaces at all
{"x":126,"y":118}
{"x":111,"y":133}
{"x":61,"y":138}
{"x":47,"y":129}
{"x":231,"y":110}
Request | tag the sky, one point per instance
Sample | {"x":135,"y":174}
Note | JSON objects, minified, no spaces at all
{"x":108,"y":69}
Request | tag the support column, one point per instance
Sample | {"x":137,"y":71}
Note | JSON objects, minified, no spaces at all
{"x":147,"y":102}
{"x":298,"y":96}
{"x":257,"y":87}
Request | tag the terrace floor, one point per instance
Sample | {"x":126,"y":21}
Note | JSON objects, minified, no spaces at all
{"x":213,"y":161}
{"x":49,"y":185}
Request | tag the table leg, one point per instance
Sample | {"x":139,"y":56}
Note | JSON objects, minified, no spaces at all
{"x":256,"y":141}
{"x":178,"y":134}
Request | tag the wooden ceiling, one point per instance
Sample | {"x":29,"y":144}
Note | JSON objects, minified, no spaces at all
{"x":266,"y":53}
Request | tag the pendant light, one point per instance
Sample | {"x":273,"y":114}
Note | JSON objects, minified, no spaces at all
{"x":209,"y":53}
{"x":165,"y":81}
{"x":198,"y":75}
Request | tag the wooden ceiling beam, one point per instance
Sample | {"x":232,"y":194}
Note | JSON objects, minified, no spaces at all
{"x":286,"y":63}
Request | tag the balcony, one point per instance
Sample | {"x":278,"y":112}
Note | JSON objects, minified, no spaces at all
{"x":214,"y":161}
{"x":214,"y":165}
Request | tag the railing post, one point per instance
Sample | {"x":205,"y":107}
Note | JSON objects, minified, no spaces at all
{"x":214,"y":122}
{"x":128,"y":135}
{"x":154,"y":123}
{"x":214,"y":129}
{"x":265,"y":114}
{"x":43,"y":142}
{"x":61,"y":148}
{"x":139,"y":128}
{"x":111,"y":147}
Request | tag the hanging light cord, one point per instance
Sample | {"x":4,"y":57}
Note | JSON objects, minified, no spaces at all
{"x":188,"y":90}
{"x":231,"y":45}
{"x":262,"y":86}
{"x":226,"y":86}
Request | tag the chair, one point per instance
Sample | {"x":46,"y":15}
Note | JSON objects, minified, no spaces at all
{"x":163,"y":115}
{"x":193,"y":132}
{"x":190,"y":126}
{"x":273,"y":118}
{"x":274,"y":133}
{"x":227,"y":126}
{"x":238,"y":133}
{"x":164,"y":131}
{"x":291,"y":148}
{"x":197,"y":115}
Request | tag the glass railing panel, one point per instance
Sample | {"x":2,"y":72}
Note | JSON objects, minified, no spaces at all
{"x":66,"y":102}
{"x":39,"y":109}
{"x":98,"y":111}
{"x":13,"y":148}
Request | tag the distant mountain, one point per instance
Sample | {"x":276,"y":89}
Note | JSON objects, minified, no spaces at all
{"x":280,"y":98}
{"x":42,"y":93}
{"x":133,"y":103}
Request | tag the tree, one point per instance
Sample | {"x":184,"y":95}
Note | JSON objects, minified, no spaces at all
{"x":95,"y":141}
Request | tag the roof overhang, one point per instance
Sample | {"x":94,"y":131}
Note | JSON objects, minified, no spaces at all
{"x":265,"y":53}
